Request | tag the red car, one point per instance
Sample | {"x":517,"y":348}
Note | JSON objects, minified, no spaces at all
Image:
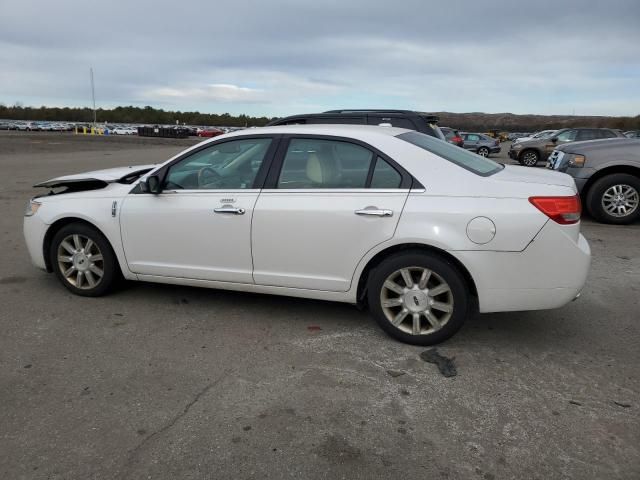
{"x":210,"y":132}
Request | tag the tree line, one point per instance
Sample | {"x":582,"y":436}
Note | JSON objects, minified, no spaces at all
{"x":151,"y":116}
{"x":145,"y":115}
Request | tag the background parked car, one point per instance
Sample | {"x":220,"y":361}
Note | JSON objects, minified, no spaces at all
{"x":480,"y":143}
{"x":530,"y":152}
{"x":210,"y":132}
{"x":632,"y":134}
{"x":452,"y":136}
{"x":607,"y":174}
{"x":422,"y":122}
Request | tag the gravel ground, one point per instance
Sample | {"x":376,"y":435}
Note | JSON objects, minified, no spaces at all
{"x":172,"y":382}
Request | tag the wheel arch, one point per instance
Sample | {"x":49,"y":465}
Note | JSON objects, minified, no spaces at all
{"x":613,"y":169}
{"x":525,"y":149}
{"x":55,"y":228}
{"x":421,"y":247}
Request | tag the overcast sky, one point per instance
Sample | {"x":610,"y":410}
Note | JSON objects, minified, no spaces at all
{"x":279,"y":57}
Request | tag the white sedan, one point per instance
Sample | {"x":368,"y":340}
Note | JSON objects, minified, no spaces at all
{"x":422,"y":232}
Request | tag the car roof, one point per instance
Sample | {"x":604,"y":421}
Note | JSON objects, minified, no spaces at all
{"x":325,"y":129}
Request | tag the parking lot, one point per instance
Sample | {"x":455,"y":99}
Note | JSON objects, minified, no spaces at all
{"x":159,"y":381}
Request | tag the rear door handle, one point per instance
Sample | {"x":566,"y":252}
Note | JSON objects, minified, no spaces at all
{"x":231,"y":210}
{"x":375,"y":212}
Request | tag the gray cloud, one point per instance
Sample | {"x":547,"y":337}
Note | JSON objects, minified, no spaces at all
{"x":282,"y":57}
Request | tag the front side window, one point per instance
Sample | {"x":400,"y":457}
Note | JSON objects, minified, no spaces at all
{"x":472,"y":137}
{"x":459,"y":156}
{"x":567,"y":136}
{"x":319,"y":163}
{"x":229,"y":165}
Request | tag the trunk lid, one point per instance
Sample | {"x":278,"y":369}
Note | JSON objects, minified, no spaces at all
{"x":514,"y":173}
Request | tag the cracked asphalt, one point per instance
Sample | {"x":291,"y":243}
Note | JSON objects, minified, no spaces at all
{"x":170,"y":382}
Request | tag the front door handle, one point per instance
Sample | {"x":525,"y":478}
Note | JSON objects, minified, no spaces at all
{"x":375,"y":212}
{"x":231,"y":210}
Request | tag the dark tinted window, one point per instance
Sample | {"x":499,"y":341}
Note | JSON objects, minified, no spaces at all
{"x":399,"y":122}
{"x":338,"y":119}
{"x":459,"y":156}
{"x":588,"y":134}
{"x":607,"y":134}
{"x":385,"y":176}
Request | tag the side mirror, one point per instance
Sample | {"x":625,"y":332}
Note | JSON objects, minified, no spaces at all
{"x":554,"y":139}
{"x":151,"y":185}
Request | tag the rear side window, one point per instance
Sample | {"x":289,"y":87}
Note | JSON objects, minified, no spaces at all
{"x":607,"y":134}
{"x":318,"y":163}
{"x":459,"y":156}
{"x":588,"y":134}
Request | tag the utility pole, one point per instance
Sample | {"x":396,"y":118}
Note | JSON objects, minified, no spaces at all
{"x":93,"y":94}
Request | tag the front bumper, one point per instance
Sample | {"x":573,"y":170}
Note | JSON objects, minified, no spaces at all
{"x":549,"y":273}
{"x":513,"y":154}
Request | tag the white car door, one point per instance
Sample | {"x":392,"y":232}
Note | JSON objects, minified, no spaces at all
{"x":326,"y":203}
{"x":199,"y":227}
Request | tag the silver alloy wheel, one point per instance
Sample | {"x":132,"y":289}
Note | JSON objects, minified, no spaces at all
{"x":530,"y":159}
{"x":412,"y":294}
{"x":80,"y":261}
{"x":620,"y":200}
{"x":483,"y":152}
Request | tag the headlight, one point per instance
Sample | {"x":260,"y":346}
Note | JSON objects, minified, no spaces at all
{"x":577,"y":161}
{"x":32,"y":208}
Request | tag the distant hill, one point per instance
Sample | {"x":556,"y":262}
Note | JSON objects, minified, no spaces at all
{"x":511,"y":122}
{"x":475,"y":121}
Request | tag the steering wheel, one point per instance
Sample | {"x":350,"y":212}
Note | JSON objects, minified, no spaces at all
{"x":207,"y":171}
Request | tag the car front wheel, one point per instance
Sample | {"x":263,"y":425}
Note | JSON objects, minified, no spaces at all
{"x":83,"y":260}
{"x":418,"y":298}
{"x":615,"y":199}
{"x":529,"y":158}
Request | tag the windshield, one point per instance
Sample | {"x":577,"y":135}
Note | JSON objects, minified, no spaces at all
{"x":461,"y":157}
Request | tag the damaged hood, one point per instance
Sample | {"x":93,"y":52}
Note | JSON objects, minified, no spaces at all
{"x":99,"y":177}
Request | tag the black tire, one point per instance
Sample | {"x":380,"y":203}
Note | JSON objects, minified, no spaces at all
{"x":444,"y":270}
{"x":529,"y":158}
{"x":108,"y":264}
{"x":594,"y":200}
{"x":483,"y":152}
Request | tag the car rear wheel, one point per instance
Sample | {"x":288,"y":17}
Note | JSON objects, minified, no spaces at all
{"x":529,"y":158}
{"x":418,"y":298}
{"x":83,"y":260}
{"x":615,"y":199}
{"x":483,"y":151}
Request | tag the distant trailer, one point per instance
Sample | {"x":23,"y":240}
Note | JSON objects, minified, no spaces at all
{"x":164,"y":132}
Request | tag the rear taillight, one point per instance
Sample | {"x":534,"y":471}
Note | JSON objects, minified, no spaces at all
{"x":562,"y":210}
{"x":456,"y":139}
